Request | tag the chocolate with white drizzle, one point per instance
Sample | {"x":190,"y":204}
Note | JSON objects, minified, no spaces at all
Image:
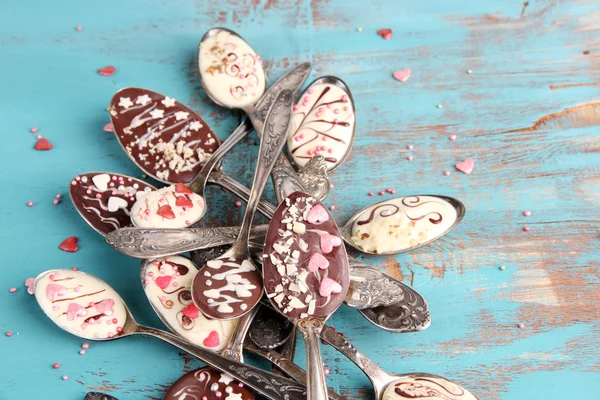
{"x":166,"y":138}
{"x":167,"y":283}
{"x":403,"y":223}
{"x":208,"y":384}
{"x":322,"y":123}
{"x":81,"y":304}
{"x":302,"y":235}
{"x":104,"y":200}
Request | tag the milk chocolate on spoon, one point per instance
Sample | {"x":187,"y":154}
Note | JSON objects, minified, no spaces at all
{"x":87,"y":307}
{"x":306,"y":274}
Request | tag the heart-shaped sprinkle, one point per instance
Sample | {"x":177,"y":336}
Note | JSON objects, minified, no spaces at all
{"x":75,"y":310}
{"x":317,"y":261}
{"x":105,"y":307}
{"x":101,"y":181}
{"x":212,"y":340}
{"x":402,"y":75}
{"x":116,"y":203}
{"x":317,"y":215}
{"x":385,"y":33}
{"x":43,"y":144}
{"x":181,"y":188}
{"x":329,"y":286}
{"x":184,"y":201}
{"x":109,"y":127}
{"x":328,"y":242}
{"x":53,"y":291}
{"x":191,"y":311}
{"x":166,"y":212}
{"x":466,"y":166}
{"x":163,"y":281}
{"x":30,"y":283}
{"x":107,"y":71}
{"x":69,"y":244}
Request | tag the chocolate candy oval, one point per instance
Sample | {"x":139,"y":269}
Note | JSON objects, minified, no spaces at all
{"x":81,"y":304}
{"x":167,"y":283}
{"x":162,"y":136}
{"x":305,"y":264}
{"x":208,"y":384}
{"x":404,"y":223}
{"x":105,"y":199}
{"x":322,"y":123}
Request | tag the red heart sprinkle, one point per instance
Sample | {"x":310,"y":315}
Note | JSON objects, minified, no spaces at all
{"x":181,"y":188}
{"x":43,"y":144}
{"x":69,"y":244}
{"x":191,"y":311}
{"x":166,"y":212}
{"x":212,"y":340}
{"x":163,"y":281}
{"x":107,"y":71}
{"x":385,"y":33}
{"x":184,"y":201}
{"x":109,"y":127}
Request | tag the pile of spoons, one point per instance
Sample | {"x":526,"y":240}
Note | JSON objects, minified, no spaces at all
{"x":248,"y":287}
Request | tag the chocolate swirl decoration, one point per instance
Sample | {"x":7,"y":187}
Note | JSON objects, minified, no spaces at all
{"x":407,"y":202}
{"x":426,"y":388}
{"x":207,"y":383}
{"x":385,"y":213}
{"x":235,"y":67}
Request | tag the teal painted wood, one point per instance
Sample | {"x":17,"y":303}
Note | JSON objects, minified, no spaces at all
{"x":527,"y":63}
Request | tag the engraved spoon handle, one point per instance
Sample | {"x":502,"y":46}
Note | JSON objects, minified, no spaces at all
{"x":292,"y":370}
{"x":273,"y":140}
{"x":154,"y":243}
{"x":241,"y":191}
{"x":199,"y":182}
{"x":235,"y":347}
{"x":270,"y":385}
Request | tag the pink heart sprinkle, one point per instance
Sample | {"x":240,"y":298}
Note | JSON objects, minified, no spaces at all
{"x":317,"y":261}
{"x":163,"y":281}
{"x":317,"y":214}
{"x":466,"y":166}
{"x":75,"y":310}
{"x":53,"y":291}
{"x":328,"y":242}
{"x":329,"y":286}
{"x":191,"y":311}
{"x":212,"y":340}
{"x":105,"y":307}
{"x":109,"y":127}
{"x":30,"y":283}
{"x":402,"y":75}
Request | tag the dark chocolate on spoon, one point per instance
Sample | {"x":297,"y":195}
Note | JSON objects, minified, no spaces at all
{"x":208,"y":384}
{"x":164,"y":137}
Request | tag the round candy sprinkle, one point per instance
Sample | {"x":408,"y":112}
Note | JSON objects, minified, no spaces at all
{"x":447,"y":173}
{"x":521,"y":326}
{"x":381,"y":193}
{"x":82,"y":352}
{"x":55,"y":201}
{"x":371,"y":194}
{"x":33,"y":130}
{"x":30,"y":203}
{"x":12,"y":289}
{"x":439,"y":106}
{"x":65,"y":377}
{"x":527,"y":213}
{"x":9,"y":334}
{"x":392,"y":191}
{"x":526,"y":229}
{"x":326,"y":371}
{"x":359,"y":29}
{"x":39,"y":136}
{"x":469,"y":71}
{"x":332,"y":208}
{"x":56,"y":366}
{"x":79,"y":28}
{"x":238,"y":203}
{"x":502,"y":268}
{"x":452,"y":137}
{"x":388,"y":190}
{"x":409,"y":158}
{"x":58,"y":196}
{"x":410,"y":147}
{"x":75,"y":269}
{"x":331,"y":185}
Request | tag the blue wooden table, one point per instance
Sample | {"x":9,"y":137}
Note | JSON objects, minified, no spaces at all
{"x":528,"y":113}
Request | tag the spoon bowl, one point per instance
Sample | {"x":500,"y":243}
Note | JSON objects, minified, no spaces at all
{"x":323,"y":123}
{"x":269,"y":329}
{"x":73,"y":299}
{"x":402,"y":224}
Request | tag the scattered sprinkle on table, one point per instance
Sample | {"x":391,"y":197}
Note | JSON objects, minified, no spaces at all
{"x":79,"y":28}
{"x":331,"y":186}
{"x":447,"y":173}
{"x":238,"y":203}
{"x":409,"y":158}
{"x":107,"y":71}
{"x":33,"y":130}
{"x":527,"y":213}
{"x":30,"y":203}
{"x":82,"y":352}
{"x":381,"y":193}
{"x":526,"y":229}
{"x":453,"y":137}
{"x":12,"y":289}
{"x":402,"y":75}
{"x":371,"y":194}
{"x":109,"y":127}
{"x":30,"y":283}
{"x":69,"y":244}
{"x":466,"y":166}
{"x":326,"y":371}
{"x":521,"y":326}
{"x":8,"y":334}
{"x":55,"y":201}
{"x":359,"y":29}
{"x":439,"y":106}
{"x":586,"y":52}
{"x":85,"y":346}
{"x":332,"y":207}
{"x":75,"y":269}
{"x":65,"y":377}
{"x":56,"y":366}
{"x":410,"y":147}
{"x":385,"y":33}
{"x":469,"y":71}
{"x":502,"y":268}
{"x":42,"y":144}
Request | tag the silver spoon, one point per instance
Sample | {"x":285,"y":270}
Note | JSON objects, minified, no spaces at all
{"x":306,"y":276}
{"x":73,"y":299}
{"x":227,"y":64}
{"x":402,"y":224}
{"x":231,"y":285}
{"x":390,"y":386}
{"x":323,"y":123}
{"x":98,"y":396}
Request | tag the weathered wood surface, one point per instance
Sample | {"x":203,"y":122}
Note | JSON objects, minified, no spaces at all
{"x":529,"y":114}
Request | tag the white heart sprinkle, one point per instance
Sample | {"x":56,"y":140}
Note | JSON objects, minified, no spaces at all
{"x":116,"y":203}
{"x":101,"y":181}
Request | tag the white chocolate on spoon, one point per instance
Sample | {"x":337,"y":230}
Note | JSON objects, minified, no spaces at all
{"x":80,"y":304}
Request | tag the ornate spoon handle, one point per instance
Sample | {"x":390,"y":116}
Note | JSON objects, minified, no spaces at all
{"x":287,"y":366}
{"x":270,"y":385}
{"x":241,"y":191}
{"x":153,"y":243}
